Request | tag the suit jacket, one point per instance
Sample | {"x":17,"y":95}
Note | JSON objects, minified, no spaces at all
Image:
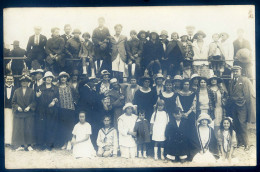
{"x":237,"y":45}
{"x":97,"y":37}
{"x":8,"y":102}
{"x":118,"y":47}
{"x":17,"y":65}
{"x":242,"y":94}
{"x":32,"y":48}
{"x":134,"y":46}
{"x":64,"y":36}
{"x":23,"y":101}
{"x":55,"y":46}
{"x":152,"y":51}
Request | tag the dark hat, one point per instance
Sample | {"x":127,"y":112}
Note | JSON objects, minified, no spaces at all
{"x":37,"y":71}
{"x":76,"y":31}
{"x":15,"y":42}
{"x":199,"y":33}
{"x":142,"y":32}
{"x":25,"y":78}
{"x":143,"y":78}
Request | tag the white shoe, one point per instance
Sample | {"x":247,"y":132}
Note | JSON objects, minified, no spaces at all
{"x":30,"y":148}
{"x":156,"y":157}
{"x":162,"y":157}
{"x":69,"y":146}
{"x":140,"y":155}
{"x":19,"y":149}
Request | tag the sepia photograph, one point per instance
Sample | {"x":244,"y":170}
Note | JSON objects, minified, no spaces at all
{"x":129,"y":87}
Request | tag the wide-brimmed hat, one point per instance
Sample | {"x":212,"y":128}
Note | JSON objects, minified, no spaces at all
{"x":214,"y":77}
{"x":37,"y":71}
{"x":48,"y":74}
{"x":159,"y":75}
{"x":64,"y":74}
{"x":76,"y":31}
{"x":142,"y":32}
{"x":177,"y":77}
{"x":164,"y":32}
{"x":204,"y":116}
{"x":143,"y":78}
{"x":129,"y":105}
{"x":195,"y":75}
{"x":25,"y":78}
{"x":199,"y":33}
{"x":104,"y":72}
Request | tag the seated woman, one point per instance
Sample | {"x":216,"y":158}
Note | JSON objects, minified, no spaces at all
{"x":203,"y":142}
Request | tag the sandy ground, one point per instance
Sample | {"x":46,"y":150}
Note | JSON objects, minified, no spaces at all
{"x":64,"y":159}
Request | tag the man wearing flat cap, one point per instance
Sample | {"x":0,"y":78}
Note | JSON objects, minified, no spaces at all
{"x":242,"y":105}
{"x":72,"y":49}
{"x":36,"y":49}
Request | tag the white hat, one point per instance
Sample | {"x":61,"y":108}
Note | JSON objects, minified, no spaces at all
{"x":48,"y":74}
{"x":129,"y":105}
{"x":64,"y":74}
{"x":177,"y":77}
{"x":204,"y":116}
{"x":159,"y":75}
{"x":194,"y":76}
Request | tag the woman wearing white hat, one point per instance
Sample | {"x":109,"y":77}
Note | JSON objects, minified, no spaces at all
{"x":203,"y":141}
{"x":47,"y":113}
{"x":38,"y":79}
{"x":66,"y":111}
{"x":126,"y":123}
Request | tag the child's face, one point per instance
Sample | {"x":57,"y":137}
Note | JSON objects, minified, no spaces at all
{"x":163,"y":37}
{"x":184,"y":38}
{"x":9,"y":80}
{"x":143,"y":35}
{"x":226,"y":124}
{"x":141,"y":115}
{"x":215,"y":37}
{"x":129,"y":110}
{"x":81,"y":117}
{"x":160,"y":107}
{"x":133,"y":81}
{"x":204,"y":122}
{"x":86,"y":38}
{"x":107,"y":122}
{"x":213,"y":82}
{"x":177,"y":116}
{"x":203,"y":84}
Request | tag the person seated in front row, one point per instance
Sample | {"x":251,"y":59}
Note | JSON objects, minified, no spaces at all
{"x":107,"y":139}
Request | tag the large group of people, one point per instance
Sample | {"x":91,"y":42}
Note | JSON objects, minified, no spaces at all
{"x":145,"y":96}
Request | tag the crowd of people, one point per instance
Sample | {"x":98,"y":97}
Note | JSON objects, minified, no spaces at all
{"x":145,"y":96}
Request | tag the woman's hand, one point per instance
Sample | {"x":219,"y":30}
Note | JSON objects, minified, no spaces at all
{"x":19,"y":109}
{"x":27,"y":109}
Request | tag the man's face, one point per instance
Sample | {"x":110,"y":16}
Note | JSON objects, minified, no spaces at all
{"x":38,"y":76}
{"x":24,"y":83}
{"x":215,"y":37}
{"x":101,"y":22}
{"x":154,"y":36}
{"x":132,"y":35}
{"x":236,"y":73}
{"x":159,"y":81}
{"x":37,"y":31}
{"x":67,"y":30}
{"x":56,"y":33}
{"x":118,"y":30}
{"x":190,"y":31}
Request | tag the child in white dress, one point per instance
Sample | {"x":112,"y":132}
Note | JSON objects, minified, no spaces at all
{"x":126,"y":124}
{"x":159,"y":121}
{"x":82,"y":145}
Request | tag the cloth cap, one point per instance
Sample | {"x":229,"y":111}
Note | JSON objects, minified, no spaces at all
{"x":236,"y":68}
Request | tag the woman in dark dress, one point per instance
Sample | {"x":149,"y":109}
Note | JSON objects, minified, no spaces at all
{"x":145,"y":98}
{"x":66,"y":111}
{"x":47,"y":113}
{"x":169,"y":96}
{"x":23,"y":104}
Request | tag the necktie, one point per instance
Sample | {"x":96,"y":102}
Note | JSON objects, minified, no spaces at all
{"x":37,"y":40}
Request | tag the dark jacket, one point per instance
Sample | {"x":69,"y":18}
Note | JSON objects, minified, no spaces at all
{"x":237,"y":45}
{"x":72,"y":47}
{"x":175,"y":53}
{"x":152,"y":51}
{"x":17,"y":65}
{"x":86,"y":49}
{"x":133,"y":47}
{"x":55,"y":45}
{"x":33,"y":49}
{"x":8,"y":102}
{"x":142,"y":129}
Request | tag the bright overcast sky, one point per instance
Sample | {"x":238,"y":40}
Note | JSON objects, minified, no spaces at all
{"x":19,"y":22}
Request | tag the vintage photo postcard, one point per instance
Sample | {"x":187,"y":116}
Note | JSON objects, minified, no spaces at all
{"x":129,"y":87}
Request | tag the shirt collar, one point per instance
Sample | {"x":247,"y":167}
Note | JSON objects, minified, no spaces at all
{"x":9,"y":85}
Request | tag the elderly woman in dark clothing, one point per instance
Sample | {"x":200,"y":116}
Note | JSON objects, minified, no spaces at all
{"x":134,"y":50}
{"x":47,"y":113}
{"x":117,"y":99}
{"x":175,"y":55}
{"x":66,"y":110}
{"x":72,"y":49}
{"x":55,"y":52}
{"x":23,"y":104}
{"x":152,"y":54}
{"x":145,"y":98}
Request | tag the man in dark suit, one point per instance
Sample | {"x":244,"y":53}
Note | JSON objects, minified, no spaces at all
{"x":190,"y":32}
{"x":36,"y":49}
{"x":240,"y":42}
{"x":66,"y":36}
{"x":242,"y":105}
{"x":17,"y":65}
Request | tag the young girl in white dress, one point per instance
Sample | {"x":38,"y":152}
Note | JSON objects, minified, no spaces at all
{"x":82,"y":145}
{"x":159,"y":121}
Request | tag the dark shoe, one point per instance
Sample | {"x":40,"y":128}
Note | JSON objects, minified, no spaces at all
{"x":247,"y":148}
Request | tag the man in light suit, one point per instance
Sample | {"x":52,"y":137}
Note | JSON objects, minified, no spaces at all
{"x":118,"y":53}
{"x":36,"y":49}
{"x":242,"y":105}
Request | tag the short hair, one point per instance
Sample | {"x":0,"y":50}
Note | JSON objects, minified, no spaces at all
{"x":67,"y":25}
{"x":177,"y":110}
{"x":133,"y":32}
{"x":118,"y":25}
{"x":54,"y":29}
{"x":176,"y":34}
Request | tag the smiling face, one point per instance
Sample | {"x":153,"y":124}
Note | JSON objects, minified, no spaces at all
{"x":82,"y":118}
{"x":226,"y":124}
{"x":106,"y":101}
{"x":9,"y":80}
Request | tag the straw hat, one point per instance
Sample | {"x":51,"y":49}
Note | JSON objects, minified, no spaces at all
{"x":159,"y":75}
{"x":204,"y":116}
{"x":48,"y":74}
{"x":129,"y":105}
{"x":64,"y":74}
{"x":177,"y":77}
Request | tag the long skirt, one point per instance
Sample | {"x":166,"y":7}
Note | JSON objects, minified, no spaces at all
{"x":66,"y":124}
{"x":9,"y":117}
{"x":23,"y":130}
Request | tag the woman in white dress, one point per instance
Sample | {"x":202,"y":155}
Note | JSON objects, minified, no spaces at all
{"x":82,"y":145}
